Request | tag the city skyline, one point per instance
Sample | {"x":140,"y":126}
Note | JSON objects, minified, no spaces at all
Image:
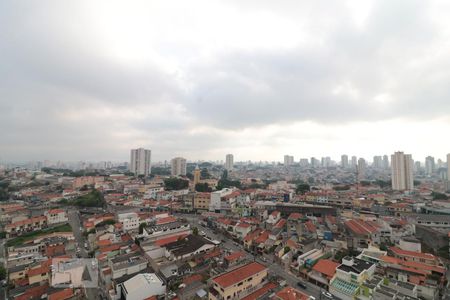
{"x":349,"y":77}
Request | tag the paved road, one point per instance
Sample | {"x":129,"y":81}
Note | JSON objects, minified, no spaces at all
{"x":274,"y":268}
{"x":75,"y":223}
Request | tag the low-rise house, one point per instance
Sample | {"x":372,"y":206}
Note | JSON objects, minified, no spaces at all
{"x":239,"y":282}
{"x":26,"y":225}
{"x":187,"y":247}
{"x":322,"y":272}
{"x":56,"y":216}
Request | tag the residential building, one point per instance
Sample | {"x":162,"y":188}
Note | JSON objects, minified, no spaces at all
{"x":140,"y":161}
{"x":429,"y":165}
{"x":127,"y":264}
{"x":129,"y":221}
{"x":178,"y":166}
{"x":238,"y":283}
{"x":201,"y":201}
{"x":377,"y":162}
{"x":215,"y":203}
{"x":385,"y":162}
{"x":354,"y":162}
{"x":55,"y":216}
{"x":402,"y":171}
{"x":349,"y":277}
{"x":344,"y":161}
{"x":362,"y":166}
{"x":288,"y":160}
{"x":26,"y":225}
{"x":289,"y":293}
{"x":229,"y":162}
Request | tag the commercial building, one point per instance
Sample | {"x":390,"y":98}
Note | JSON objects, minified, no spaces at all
{"x":142,"y":286}
{"x":140,"y":160}
{"x":178,"y":166}
{"x":402,"y":171}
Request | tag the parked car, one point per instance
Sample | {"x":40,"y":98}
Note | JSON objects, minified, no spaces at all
{"x":301,"y":284}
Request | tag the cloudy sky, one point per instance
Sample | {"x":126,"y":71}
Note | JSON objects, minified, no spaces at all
{"x":88,"y":80}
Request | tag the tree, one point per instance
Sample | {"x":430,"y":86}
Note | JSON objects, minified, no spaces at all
{"x":286,"y":249}
{"x":302,"y":188}
{"x":195,"y":231}
{"x":174,"y":183}
{"x":203,"y":187}
{"x":141,"y":227}
{"x":225,"y":175}
{"x":439,"y":196}
{"x":2,"y":273}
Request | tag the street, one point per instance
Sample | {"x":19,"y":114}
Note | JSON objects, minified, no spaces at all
{"x":74,"y":221}
{"x":274,"y":268}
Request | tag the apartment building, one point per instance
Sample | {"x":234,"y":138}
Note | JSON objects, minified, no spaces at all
{"x":55,"y":216}
{"x":26,"y":225}
{"x":201,"y":201}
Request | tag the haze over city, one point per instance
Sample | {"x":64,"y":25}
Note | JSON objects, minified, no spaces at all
{"x":89,"y":80}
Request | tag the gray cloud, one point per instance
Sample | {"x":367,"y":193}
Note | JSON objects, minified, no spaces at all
{"x":56,"y":75}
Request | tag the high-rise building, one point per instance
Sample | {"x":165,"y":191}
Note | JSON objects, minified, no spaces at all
{"x":385,"y":162}
{"x":344,"y":161}
{"x":140,"y":160}
{"x":429,"y":165}
{"x":197,"y":173}
{"x":304,"y":162}
{"x":448,"y":170}
{"x":354,"y":162}
{"x":288,"y":160}
{"x":178,"y":166}
{"x":377,"y":162}
{"x":402,"y":166}
{"x":229,"y":162}
{"x":361,"y":168}
{"x":314,"y":162}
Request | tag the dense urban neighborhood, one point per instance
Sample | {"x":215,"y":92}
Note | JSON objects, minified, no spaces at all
{"x":296,"y":230}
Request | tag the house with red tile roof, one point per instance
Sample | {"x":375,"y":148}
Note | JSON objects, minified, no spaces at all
{"x":236,"y":283}
{"x":61,"y":294}
{"x":289,"y":293}
{"x":242,"y":229}
{"x":234,"y":258}
{"x":323,"y":271}
{"x":412,"y":256}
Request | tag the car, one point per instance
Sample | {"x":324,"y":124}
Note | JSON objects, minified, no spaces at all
{"x":301,"y":284}
{"x":327,"y":295}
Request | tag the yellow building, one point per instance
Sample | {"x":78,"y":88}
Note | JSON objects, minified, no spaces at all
{"x":239,"y":282}
{"x":196,"y":175}
{"x":38,"y":274}
{"x":201,"y":201}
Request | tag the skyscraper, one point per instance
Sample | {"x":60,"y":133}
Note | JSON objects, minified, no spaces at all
{"x":140,"y":160}
{"x":402,"y":171}
{"x":385,"y":162}
{"x":361,"y":168}
{"x":377,"y":162}
{"x":178,"y":166}
{"x":344,"y":161}
{"x":429,"y":165}
{"x":354,"y":162}
{"x":448,"y":171}
{"x":229,"y":162}
{"x":288,"y":160}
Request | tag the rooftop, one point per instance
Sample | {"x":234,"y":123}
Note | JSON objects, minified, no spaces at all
{"x":237,"y":275}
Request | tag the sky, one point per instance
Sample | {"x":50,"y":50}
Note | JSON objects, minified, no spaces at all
{"x":90,"y":80}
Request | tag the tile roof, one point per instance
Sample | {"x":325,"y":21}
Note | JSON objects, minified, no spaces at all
{"x":289,"y":293}
{"x":192,"y":278}
{"x":239,"y":274}
{"x":326,"y":266}
{"x":166,"y":220}
{"x":234,"y":256}
{"x":402,"y":252}
{"x":260,"y":292}
{"x":61,"y":295}
{"x":360,"y":227}
{"x":170,"y":239}
{"x":38,"y":271}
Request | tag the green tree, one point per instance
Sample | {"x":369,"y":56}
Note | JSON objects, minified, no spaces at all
{"x":203,"y":187}
{"x":286,"y":249}
{"x":141,"y":227}
{"x":302,"y":188}
{"x":195,"y":231}
{"x":2,"y":273}
{"x":174,"y":183}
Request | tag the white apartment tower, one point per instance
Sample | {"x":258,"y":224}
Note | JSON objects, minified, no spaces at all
{"x":429,"y":165}
{"x":361,"y":168}
{"x":288,"y":160}
{"x":140,"y":160}
{"x":229,"y":162}
{"x":354,"y":162}
{"x":344,"y":161}
{"x":178,"y":166}
{"x":402,"y":166}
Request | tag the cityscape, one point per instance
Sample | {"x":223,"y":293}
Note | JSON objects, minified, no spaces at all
{"x":296,"y":229}
{"x":224,"y":150}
